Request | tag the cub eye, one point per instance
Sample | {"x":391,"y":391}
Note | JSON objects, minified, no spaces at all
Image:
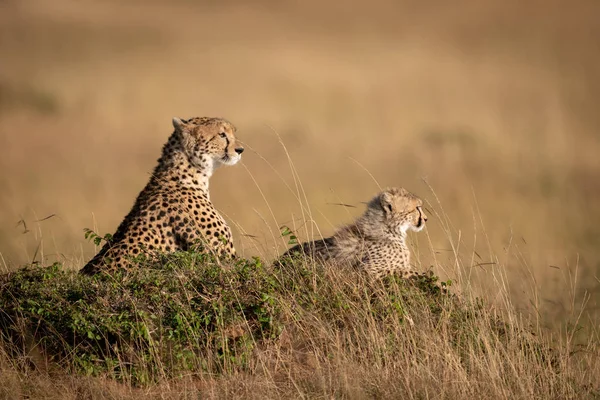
{"x":223,"y":134}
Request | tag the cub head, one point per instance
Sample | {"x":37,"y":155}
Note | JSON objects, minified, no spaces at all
{"x":209,"y":141}
{"x":399,"y":210}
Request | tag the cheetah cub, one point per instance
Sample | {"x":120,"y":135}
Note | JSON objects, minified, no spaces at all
{"x":174,"y":211}
{"x":376,"y":242}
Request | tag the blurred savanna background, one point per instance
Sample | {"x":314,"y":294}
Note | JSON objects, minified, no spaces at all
{"x":486,"y":109}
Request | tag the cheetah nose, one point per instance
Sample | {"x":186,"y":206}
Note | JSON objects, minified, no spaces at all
{"x":239,"y":150}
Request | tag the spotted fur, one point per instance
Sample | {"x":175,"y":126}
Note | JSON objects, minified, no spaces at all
{"x":376,"y":242}
{"x":174,"y":211}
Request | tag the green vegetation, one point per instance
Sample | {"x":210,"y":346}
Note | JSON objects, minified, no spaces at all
{"x":298,"y":329}
{"x":162,"y":320}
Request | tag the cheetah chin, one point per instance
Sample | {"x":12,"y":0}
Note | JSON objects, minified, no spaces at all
{"x":230,"y":160}
{"x":420,"y":225}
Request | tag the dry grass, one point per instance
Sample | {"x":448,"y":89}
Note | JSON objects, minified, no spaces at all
{"x":342,"y":337}
{"x":490,"y":103}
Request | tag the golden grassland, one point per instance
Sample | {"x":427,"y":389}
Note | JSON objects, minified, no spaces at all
{"x":487,"y":110}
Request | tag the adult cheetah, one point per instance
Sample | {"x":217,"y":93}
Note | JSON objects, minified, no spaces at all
{"x":376,"y":242}
{"x":174,"y":212}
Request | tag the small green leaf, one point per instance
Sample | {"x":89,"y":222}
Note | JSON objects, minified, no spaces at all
{"x":293,"y":240}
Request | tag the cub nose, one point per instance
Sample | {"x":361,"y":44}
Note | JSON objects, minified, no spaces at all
{"x":239,"y":150}
{"x":424,"y":217}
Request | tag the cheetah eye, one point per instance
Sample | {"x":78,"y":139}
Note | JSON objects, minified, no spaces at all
{"x":223,"y":134}
{"x":389,"y":207}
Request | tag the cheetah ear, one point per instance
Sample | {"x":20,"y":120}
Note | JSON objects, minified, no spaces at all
{"x":386,"y":201}
{"x":178,"y":124}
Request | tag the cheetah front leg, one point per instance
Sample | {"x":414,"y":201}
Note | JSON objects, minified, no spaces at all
{"x":207,"y":238}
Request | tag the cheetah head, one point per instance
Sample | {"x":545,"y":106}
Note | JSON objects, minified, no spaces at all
{"x":208,"y":141}
{"x":399,"y":210}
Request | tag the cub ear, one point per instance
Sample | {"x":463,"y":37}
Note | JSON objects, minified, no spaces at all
{"x":178,"y":124}
{"x":387,"y":202}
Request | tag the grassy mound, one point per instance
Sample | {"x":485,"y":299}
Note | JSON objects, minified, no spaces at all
{"x":158,"y":321}
{"x":304,"y":330}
